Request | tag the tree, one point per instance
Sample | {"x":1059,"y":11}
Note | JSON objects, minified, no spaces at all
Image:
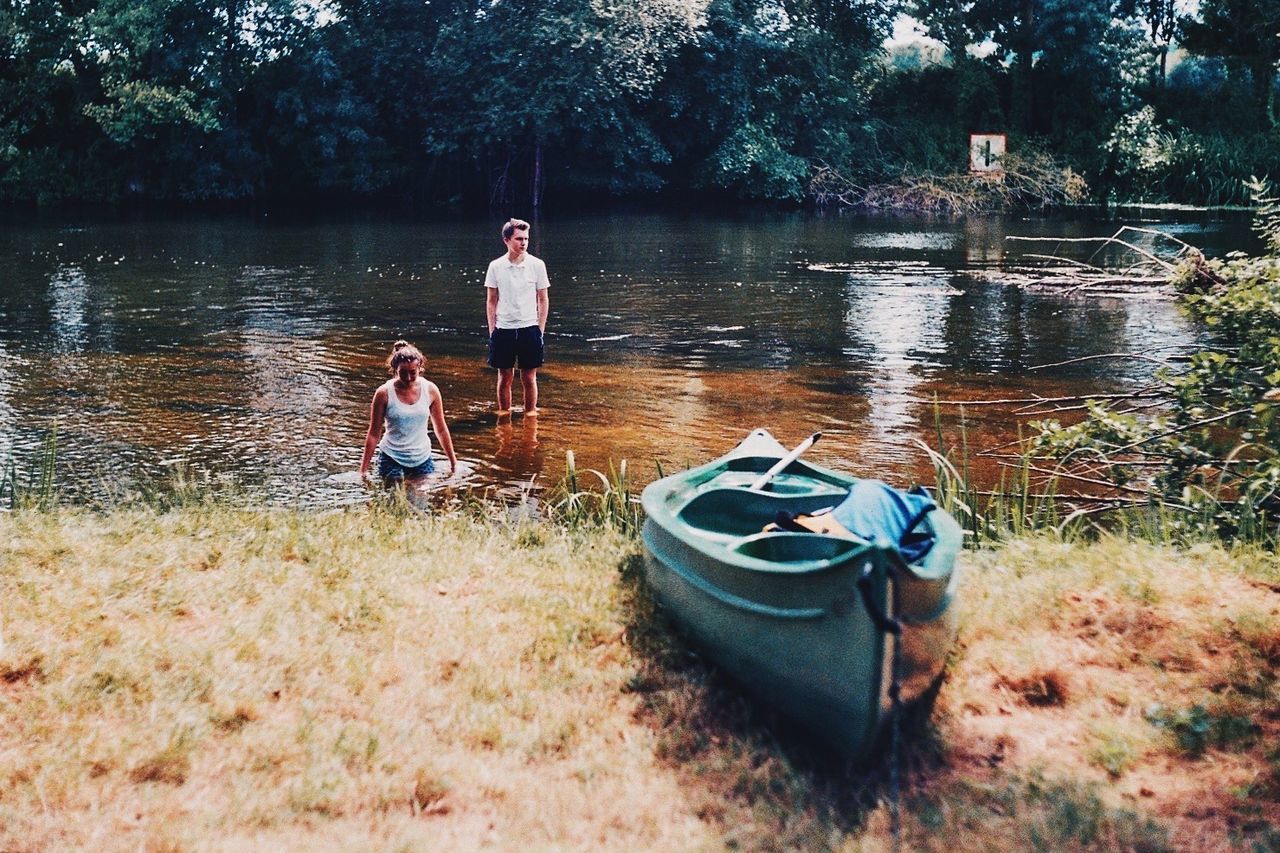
{"x":1162,"y":21}
{"x":1247,"y":34}
{"x":958,"y":25}
{"x":532,"y":93}
{"x":176,"y":76}
{"x":1060,"y":53}
{"x":45,"y":79}
{"x":768,"y":92}
{"x":318,"y":123}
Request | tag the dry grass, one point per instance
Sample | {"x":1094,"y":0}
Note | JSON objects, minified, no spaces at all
{"x":261,"y":679}
{"x":229,"y":679}
{"x":1113,"y":695}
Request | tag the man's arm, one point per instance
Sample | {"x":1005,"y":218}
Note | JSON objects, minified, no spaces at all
{"x":544,"y":299}
{"x":491,"y":308}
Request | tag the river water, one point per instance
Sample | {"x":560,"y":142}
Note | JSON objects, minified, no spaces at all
{"x":249,"y":347}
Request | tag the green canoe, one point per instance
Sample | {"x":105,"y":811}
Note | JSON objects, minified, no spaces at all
{"x":805,"y":621}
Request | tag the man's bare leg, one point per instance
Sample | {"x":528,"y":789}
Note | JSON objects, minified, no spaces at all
{"x":529,"y":381}
{"x":506,"y":378}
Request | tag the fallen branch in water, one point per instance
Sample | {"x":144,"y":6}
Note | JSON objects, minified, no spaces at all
{"x":1058,"y":496}
{"x":1124,"y":355}
{"x":1151,"y":274}
{"x":1083,"y":407}
{"x":1037,"y":401}
{"x":1068,"y":475}
{"x":1114,"y":239}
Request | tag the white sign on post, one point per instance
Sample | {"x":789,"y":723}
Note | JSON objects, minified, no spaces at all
{"x":986,"y":152}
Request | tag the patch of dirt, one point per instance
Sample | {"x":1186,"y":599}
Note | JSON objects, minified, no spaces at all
{"x":16,"y":676}
{"x":1009,"y":720}
{"x":1043,"y":689}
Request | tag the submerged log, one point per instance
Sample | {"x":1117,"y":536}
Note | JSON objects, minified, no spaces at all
{"x":1155,"y":272}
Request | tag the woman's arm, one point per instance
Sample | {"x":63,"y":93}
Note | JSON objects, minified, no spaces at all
{"x":377,"y":411}
{"x":442,"y":428}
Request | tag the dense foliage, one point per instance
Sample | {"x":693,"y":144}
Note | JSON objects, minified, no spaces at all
{"x":509,"y":101}
{"x":1215,"y":452}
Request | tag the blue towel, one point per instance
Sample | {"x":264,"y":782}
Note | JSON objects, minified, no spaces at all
{"x":874,"y":510}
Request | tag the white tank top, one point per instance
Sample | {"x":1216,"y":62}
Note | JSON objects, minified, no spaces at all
{"x":407,"y":438}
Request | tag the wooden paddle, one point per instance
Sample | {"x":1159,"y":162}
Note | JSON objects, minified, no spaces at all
{"x":763,"y":480}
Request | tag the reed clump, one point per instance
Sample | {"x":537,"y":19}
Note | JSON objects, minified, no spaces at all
{"x":591,"y":498}
{"x":35,"y":485}
{"x":1022,"y":502}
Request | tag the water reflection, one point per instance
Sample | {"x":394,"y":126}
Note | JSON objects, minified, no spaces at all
{"x":516,"y":448}
{"x":929,"y":241}
{"x":68,"y":303}
{"x":1157,"y":330}
{"x":293,"y":377}
{"x":984,"y":242}
{"x":894,"y":324}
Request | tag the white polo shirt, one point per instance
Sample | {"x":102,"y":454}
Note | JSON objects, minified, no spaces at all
{"x":517,"y":286}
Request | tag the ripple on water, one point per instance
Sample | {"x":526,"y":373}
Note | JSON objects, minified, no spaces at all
{"x":910,"y":240}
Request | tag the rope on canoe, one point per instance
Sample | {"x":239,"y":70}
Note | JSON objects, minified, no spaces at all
{"x":895,"y":725}
{"x":891,"y":626}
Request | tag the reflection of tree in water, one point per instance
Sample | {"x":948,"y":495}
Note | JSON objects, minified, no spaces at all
{"x":895,"y":324}
{"x":68,"y":304}
{"x":293,"y":405}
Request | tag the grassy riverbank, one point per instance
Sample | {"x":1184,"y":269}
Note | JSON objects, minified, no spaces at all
{"x":211,"y":676}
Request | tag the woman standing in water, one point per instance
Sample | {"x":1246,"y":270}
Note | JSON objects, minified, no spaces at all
{"x":398,"y":418}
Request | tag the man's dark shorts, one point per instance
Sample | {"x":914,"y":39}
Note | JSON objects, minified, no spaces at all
{"x":511,"y":347}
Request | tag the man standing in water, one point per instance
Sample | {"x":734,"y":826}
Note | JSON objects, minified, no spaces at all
{"x":517,"y":305}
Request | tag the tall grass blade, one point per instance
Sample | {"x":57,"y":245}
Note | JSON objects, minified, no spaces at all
{"x":612,"y":507}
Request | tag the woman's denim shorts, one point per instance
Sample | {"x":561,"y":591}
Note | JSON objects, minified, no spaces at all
{"x":389,"y":469}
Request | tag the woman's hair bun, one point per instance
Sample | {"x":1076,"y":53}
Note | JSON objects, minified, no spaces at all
{"x":402,"y":352}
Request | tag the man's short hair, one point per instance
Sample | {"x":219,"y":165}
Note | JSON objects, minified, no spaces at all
{"x":511,"y":226}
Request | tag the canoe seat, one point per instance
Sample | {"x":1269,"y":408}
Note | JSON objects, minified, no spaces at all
{"x":796,"y":547}
{"x":740,"y":512}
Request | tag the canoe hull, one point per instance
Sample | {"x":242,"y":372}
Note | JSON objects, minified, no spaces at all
{"x":781,"y":612}
{"x":793,"y":650}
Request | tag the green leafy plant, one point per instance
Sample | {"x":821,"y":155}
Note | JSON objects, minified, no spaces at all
{"x":613,"y":506}
{"x":1213,"y":453}
{"x":1196,"y":728}
{"x":38,"y":489}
